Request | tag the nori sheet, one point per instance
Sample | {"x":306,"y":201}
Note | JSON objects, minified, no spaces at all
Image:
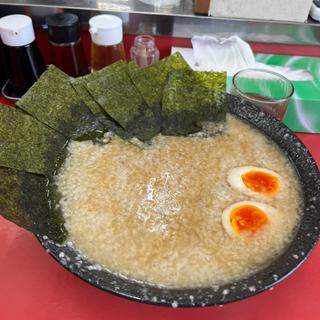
{"x":27,"y":144}
{"x":150,"y":81}
{"x":212,"y":80}
{"x":24,"y":201}
{"x":188,"y":101}
{"x":53,"y":101}
{"x":132,"y":67}
{"x":116,"y":94}
{"x":79,"y":85}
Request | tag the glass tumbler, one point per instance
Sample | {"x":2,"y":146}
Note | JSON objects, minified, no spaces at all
{"x":264,"y":88}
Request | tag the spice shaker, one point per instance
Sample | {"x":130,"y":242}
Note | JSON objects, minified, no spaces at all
{"x":144,"y":52}
{"x":65,"y":44}
{"x":3,"y":71}
{"x":107,"y":45}
{"x":24,"y":63}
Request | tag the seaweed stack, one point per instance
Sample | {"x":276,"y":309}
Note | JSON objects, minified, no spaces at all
{"x":167,"y":98}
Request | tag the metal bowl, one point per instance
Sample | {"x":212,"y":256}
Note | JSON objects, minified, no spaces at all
{"x":305,"y":239}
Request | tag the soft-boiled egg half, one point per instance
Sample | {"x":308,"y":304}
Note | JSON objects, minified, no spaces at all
{"x":254,"y":180}
{"x":246,"y":217}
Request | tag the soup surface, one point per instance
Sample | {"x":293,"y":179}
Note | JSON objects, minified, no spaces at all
{"x":155,"y":214}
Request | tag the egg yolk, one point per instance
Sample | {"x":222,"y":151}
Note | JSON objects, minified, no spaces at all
{"x":261,"y":182}
{"x":247,"y":218}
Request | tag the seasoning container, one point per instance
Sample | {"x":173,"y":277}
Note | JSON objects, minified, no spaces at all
{"x":144,"y":52}
{"x":24,"y":63}
{"x":3,"y":71}
{"x":106,"y":35}
{"x":65,"y":44}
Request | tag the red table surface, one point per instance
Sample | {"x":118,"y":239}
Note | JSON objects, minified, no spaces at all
{"x":34,"y":286}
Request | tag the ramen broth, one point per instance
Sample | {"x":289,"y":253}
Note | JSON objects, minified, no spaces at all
{"x":154,"y":214}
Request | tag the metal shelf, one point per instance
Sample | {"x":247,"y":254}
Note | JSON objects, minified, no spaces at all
{"x":178,"y":21}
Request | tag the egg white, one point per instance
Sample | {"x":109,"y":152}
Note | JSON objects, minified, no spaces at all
{"x":226,"y":214}
{"x":235,"y":180}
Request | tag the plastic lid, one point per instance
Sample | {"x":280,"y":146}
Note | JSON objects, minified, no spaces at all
{"x":315,"y":12}
{"x":63,"y":27}
{"x":16,"y":30}
{"x":106,"y":30}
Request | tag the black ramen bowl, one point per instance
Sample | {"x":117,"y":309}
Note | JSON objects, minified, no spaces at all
{"x":306,"y":236}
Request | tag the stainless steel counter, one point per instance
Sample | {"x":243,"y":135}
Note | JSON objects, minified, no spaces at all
{"x":178,"y":21}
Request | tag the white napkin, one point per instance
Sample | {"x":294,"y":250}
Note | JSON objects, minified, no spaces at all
{"x":214,"y":54}
{"x":232,"y":55}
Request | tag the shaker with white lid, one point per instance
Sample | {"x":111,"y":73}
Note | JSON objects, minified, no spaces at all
{"x":24,"y":63}
{"x":107,"y":40}
{"x":3,"y":71}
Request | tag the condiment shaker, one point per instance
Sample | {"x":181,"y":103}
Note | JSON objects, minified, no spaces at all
{"x":107,"y":45}
{"x":144,"y":52}
{"x":65,"y":44}
{"x":24,"y":63}
{"x":3,"y":71}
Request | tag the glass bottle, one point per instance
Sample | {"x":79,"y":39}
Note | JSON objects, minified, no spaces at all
{"x":24,"y":62}
{"x":144,"y":52}
{"x":65,"y":44}
{"x":3,"y":71}
{"x":107,"y":45}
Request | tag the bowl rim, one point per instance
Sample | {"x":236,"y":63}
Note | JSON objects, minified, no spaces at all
{"x":306,"y":237}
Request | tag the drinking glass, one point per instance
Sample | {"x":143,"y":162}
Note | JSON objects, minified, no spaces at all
{"x":266,"y":89}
